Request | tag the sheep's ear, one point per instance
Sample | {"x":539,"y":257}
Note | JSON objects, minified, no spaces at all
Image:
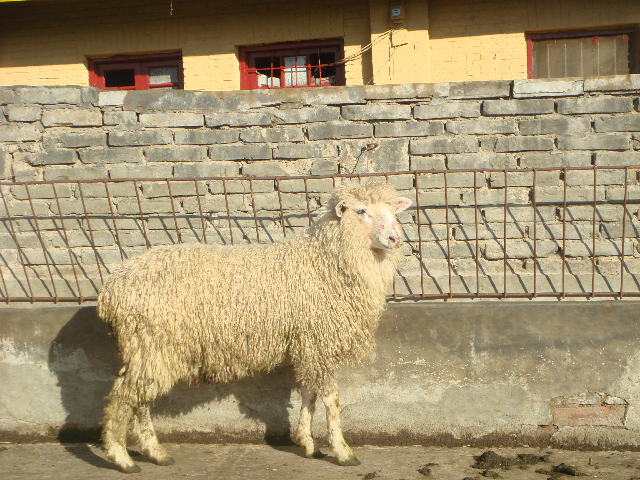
{"x":341,"y":208}
{"x":401,"y":203}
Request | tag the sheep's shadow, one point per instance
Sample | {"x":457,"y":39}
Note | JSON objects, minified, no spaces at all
{"x":84,"y":358}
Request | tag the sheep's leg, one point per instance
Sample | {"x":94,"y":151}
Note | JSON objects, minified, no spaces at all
{"x":117,"y":415}
{"x":147,"y":439}
{"x":303,"y":435}
{"x":343,"y":452}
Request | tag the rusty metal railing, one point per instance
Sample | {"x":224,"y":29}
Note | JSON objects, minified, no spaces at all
{"x":492,"y":233}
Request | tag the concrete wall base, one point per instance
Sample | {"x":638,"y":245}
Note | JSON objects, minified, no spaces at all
{"x":473,"y":373}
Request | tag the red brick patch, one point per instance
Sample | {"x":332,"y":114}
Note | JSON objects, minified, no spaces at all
{"x":595,"y":415}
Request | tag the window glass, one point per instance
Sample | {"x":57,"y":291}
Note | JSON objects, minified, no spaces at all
{"x":160,"y":75}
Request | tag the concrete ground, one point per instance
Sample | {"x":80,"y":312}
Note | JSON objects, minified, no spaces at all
{"x":231,"y":462}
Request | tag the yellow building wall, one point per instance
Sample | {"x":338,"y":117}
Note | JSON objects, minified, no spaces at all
{"x":485,"y":40}
{"x":47,"y":43}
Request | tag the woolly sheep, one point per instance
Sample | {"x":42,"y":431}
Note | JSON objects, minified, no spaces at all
{"x":220,"y":313}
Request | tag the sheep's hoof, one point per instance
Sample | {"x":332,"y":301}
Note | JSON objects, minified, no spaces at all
{"x":166,"y":461}
{"x":318,"y":454}
{"x":350,"y":462}
{"x":132,"y":469}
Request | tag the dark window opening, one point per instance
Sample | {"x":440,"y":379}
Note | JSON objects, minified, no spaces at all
{"x":291,"y":65}
{"x":140,"y":72}
{"x":582,"y":54}
{"x":119,"y":78}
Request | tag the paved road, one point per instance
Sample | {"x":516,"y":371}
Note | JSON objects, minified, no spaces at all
{"x":231,"y":462}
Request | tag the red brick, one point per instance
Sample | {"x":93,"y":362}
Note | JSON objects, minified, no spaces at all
{"x":602,"y":415}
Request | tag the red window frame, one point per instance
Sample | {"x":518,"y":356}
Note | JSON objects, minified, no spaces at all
{"x":249,"y":54}
{"x":631,"y":31}
{"x":140,"y":64}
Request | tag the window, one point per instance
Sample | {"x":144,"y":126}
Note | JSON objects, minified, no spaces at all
{"x":290,"y":65}
{"x":140,"y":72}
{"x":582,"y":54}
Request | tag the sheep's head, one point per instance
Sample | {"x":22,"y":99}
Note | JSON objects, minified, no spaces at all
{"x":373,"y":207}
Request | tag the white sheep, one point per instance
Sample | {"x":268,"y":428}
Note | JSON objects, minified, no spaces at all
{"x":220,"y":313}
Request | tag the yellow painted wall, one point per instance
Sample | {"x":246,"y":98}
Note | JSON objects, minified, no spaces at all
{"x":485,"y":40}
{"x":47,"y":43}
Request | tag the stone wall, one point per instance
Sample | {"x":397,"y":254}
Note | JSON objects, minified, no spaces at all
{"x":65,"y":136}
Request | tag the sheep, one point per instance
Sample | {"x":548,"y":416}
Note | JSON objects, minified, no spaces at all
{"x":217,"y":313}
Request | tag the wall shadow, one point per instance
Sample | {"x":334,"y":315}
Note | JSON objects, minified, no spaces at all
{"x":84,"y":358}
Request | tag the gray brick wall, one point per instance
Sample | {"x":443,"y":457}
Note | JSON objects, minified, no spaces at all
{"x":71,"y":134}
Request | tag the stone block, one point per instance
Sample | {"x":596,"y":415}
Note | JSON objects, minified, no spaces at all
{"x":388,"y":155}
{"x":82,"y":173}
{"x":593,"y":142}
{"x":614,"y":159}
{"x":409,"y":129}
{"x":519,"y":249}
{"x":546,"y":126}
{"x":205,"y":170}
{"x":76,"y":207}
{"x":111,"y":155}
{"x":577,"y":106}
{"x":546,"y":160}
{"x":290,"y":201}
{"x":131,"y":207}
{"x":577,"y":178}
{"x":49,"y":157}
{"x":24,"y":114}
{"x":239,"y":119}
{"x":482,"y":126}
{"x":206,"y":137}
{"x":78,"y":238}
{"x":23,"y":208}
{"x":77,"y":140}
{"x":547,"y":88}
{"x":440,"y":145}
{"x":173,"y":189}
{"x":524,"y":179}
{"x":574,"y":194}
{"x":107,"y":189}
{"x":272,"y":135}
{"x":314,"y":185}
{"x":339,"y":130}
{"x":41,"y":191}
{"x":113,"y":98}
{"x":265,"y":169}
{"x":614,"y":83}
{"x":175,"y":154}
{"x":480,"y":161}
{"x":19,"y":133}
{"x":159,"y":120}
{"x":216,"y":203}
{"x":376,"y":111}
{"x":305,"y":150}
{"x":447,"y":110}
{"x":50,"y":95}
{"x":140,"y":137}
{"x":606,"y":248}
{"x":406,"y":91}
{"x":431,"y":162}
{"x":323,"y":166}
{"x":72,"y":117}
{"x":7,"y":97}
{"x":141,"y":171}
{"x":480,"y":89}
{"x":116,"y":117}
{"x":244,"y":187}
{"x":618,"y":123}
{"x":306,"y":114}
{"x":517,"y":107}
{"x":240,"y":152}
{"x":519,"y":144}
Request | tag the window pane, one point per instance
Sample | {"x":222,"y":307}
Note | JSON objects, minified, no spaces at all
{"x":268,"y":71}
{"x":119,"y":78}
{"x":585,"y":56}
{"x":295,"y":71}
{"x":159,"y":75}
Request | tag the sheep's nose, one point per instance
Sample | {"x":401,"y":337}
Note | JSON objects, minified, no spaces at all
{"x":393,"y":241}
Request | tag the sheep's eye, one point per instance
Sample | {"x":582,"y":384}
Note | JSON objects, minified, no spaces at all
{"x":360,"y":211}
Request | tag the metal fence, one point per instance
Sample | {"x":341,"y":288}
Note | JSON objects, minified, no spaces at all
{"x":522,"y":233}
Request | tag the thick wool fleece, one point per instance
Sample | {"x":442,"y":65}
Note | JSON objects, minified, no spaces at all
{"x":220,"y":313}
